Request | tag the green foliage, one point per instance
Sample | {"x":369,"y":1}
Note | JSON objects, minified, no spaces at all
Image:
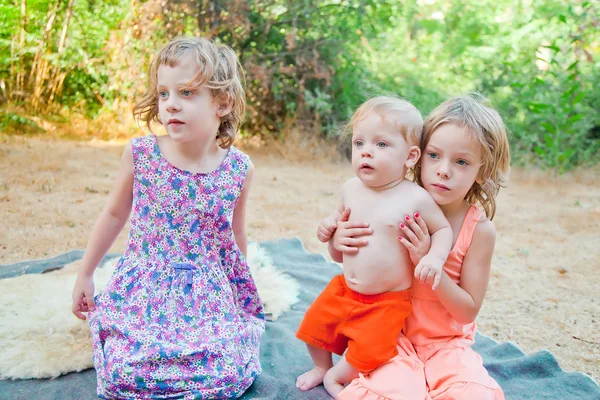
{"x":497,"y":48}
{"x":54,"y":55}
{"x":13,"y":122}
{"x":297,"y":54}
{"x":548,"y":100}
{"x":313,"y":62}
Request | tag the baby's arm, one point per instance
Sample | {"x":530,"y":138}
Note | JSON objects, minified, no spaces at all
{"x":326,"y":230}
{"x":328,"y":225}
{"x":239,"y":214}
{"x":107,"y":228}
{"x":463,"y":301}
{"x":346,"y":236}
{"x":430,"y":266}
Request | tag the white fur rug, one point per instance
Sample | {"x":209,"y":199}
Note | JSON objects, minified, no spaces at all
{"x":41,"y":338}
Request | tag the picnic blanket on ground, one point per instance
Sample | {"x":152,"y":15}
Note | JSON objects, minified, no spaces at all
{"x":523,"y":377}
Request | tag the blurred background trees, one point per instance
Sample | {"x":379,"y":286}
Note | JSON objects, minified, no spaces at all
{"x":310,"y":63}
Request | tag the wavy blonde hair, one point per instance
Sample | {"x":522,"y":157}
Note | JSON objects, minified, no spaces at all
{"x":486,"y":126}
{"x":405,"y":117}
{"x":218,"y":70}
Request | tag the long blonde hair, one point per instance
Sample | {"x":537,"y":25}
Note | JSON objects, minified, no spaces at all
{"x":485,"y":124}
{"x":218,"y":70}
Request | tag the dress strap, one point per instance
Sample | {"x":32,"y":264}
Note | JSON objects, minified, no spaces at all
{"x":141,"y":148}
{"x":465,"y":236}
{"x":239,"y":163}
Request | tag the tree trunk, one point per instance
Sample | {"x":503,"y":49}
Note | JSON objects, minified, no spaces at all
{"x":57,"y":77}
{"x":39,"y":67}
{"x":12,"y":67}
{"x":63,"y":36}
{"x":21,"y":73}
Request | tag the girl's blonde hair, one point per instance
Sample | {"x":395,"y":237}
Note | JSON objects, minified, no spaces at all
{"x":473,"y":113}
{"x":394,"y":110}
{"x":218,"y":70}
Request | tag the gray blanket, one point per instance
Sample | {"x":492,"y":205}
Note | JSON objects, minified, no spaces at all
{"x":283,"y":357}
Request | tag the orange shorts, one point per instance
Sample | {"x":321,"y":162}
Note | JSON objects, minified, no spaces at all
{"x":368,"y":325}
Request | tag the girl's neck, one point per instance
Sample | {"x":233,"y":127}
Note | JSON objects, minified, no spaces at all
{"x":455,"y":209}
{"x":192,"y":156}
{"x":195,"y":150}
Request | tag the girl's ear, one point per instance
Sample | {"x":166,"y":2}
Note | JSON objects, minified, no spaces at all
{"x":414,"y":153}
{"x":225,"y":106}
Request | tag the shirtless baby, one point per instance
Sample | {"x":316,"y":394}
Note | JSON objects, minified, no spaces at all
{"x":363,"y":309}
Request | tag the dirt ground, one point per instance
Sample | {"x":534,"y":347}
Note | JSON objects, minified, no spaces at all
{"x":543,"y":292}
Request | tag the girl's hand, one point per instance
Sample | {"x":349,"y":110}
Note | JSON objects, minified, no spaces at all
{"x":344,"y":238}
{"x":83,"y":296}
{"x":429,"y":269}
{"x":417,"y":239}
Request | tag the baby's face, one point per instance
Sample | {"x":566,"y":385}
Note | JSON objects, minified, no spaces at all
{"x":379,"y":152}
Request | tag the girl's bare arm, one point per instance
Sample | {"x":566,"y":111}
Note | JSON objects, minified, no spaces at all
{"x":463,"y":301}
{"x":113,"y":217}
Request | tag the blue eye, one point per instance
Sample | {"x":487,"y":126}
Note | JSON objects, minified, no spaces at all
{"x":382,"y":145}
{"x":163,"y":94}
{"x":358,"y":143}
{"x":186,"y":93}
{"x":434,"y":155}
{"x":462,"y":162}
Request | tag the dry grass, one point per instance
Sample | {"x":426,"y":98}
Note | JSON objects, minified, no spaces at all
{"x":546,"y":273}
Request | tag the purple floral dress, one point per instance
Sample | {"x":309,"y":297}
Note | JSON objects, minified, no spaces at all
{"x":180,"y":317}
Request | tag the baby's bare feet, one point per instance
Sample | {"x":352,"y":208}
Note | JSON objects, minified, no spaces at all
{"x":310,"y":379}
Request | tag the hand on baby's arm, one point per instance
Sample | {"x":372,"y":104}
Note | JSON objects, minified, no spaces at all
{"x":428,"y":241}
{"x":417,"y":240}
{"x":418,"y":243}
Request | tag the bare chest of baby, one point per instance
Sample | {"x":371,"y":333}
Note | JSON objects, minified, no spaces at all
{"x":382,"y":265}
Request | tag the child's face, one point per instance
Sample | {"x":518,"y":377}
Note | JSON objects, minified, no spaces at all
{"x":450,"y":164}
{"x":186,"y":114}
{"x":380,"y":155}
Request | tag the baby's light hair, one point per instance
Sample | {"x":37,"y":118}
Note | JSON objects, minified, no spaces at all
{"x":218,"y":70}
{"x":394,"y":110}
{"x":473,"y":113}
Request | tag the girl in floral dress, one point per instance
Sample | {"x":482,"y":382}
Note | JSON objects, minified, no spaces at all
{"x":180,"y":317}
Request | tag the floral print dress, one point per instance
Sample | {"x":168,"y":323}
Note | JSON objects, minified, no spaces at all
{"x":180,"y":317}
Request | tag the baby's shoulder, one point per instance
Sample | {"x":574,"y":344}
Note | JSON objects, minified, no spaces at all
{"x":350,"y":189}
{"x":352,"y":181}
{"x":352,"y":184}
{"x":411,"y":190}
